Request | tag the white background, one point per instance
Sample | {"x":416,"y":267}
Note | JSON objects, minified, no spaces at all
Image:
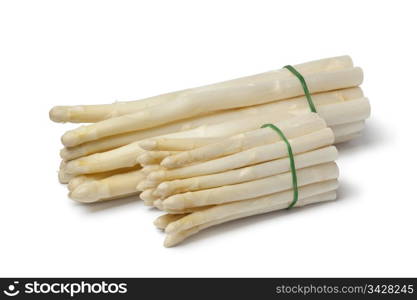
{"x":79,"y":52}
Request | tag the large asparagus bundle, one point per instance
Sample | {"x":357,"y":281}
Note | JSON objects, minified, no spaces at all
{"x":199,"y":153}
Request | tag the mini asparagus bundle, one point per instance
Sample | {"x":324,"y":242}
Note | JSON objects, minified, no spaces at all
{"x":243,"y":175}
{"x":201,"y":156}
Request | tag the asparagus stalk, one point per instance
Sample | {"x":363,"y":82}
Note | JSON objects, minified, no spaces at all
{"x":251,"y":189}
{"x":94,"y":113}
{"x":153,"y":157}
{"x":292,"y":128}
{"x":126,"y":156}
{"x":162,"y":221}
{"x":113,"y":187}
{"x":196,"y":221}
{"x":199,"y":101}
{"x":175,"y":238}
{"x":119,"y":158}
{"x":148,"y":197}
{"x":308,"y":142}
{"x":254,"y":172}
{"x":348,"y":112}
{"x":78,"y":180}
{"x":115,"y":141}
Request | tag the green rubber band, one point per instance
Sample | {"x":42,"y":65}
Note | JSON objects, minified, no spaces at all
{"x":304,"y":85}
{"x":292,"y":163}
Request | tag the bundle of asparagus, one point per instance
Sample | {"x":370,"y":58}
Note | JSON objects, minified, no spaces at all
{"x":242,"y":175}
{"x":146,"y":146}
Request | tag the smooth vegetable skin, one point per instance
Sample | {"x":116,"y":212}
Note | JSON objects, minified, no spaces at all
{"x":192,"y":223}
{"x":174,"y":129}
{"x":214,"y":98}
{"x":95,"y":113}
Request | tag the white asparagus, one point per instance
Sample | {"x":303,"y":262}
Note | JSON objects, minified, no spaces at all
{"x":64,"y":177}
{"x":153,"y":157}
{"x":146,"y":184}
{"x":76,"y":181}
{"x":147,"y":196}
{"x":94,"y":113}
{"x":251,"y":189}
{"x":351,"y":111}
{"x":118,"y":158}
{"x":115,"y":141}
{"x":164,"y":220}
{"x":113,"y":187}
{"x":274,"y":167}
{"x":319,"y":192}
{"x":175,"y":238}
{"x":187,"y":144}
{"x":315,"y":140}
{"x":196,"y":102}
{"x":291,"y":128}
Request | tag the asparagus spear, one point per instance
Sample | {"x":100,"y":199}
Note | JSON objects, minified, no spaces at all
{"x":115,"y":141}
{"x":251,"y":189}
{"x":94,"y":113}
{"x":254,"y":172}
{"x":200,"y":101}
{"x":215,"y":215}
{"x":162,"y":221}
{"x":292,"y":128}
{"x":78,"y":180}
{"x":113,"y":187}
{"x":122,"y":157}
{"x":153,"y":157}
{"x":308,"y":142}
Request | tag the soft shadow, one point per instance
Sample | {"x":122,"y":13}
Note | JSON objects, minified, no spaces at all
{"x":102,"y":206}
{"x":373,"y":135}
{"x":346,"y":191}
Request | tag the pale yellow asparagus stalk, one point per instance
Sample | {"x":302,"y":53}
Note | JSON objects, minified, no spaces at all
{"x":113,"y":187}
{"x":126,"y":156}
{"x":187,"y":182}
{"x":346,"y":112}
{"x":153,"y":157}
{"x":187,"y":144}
{"x":76,"y":181}
{"x":115,"y":141}
{"x":164,"y":220}
{"x":251,"y":189}
{"x":175,"y":238}
{"x":94,"y":113}
{"x":119,"y":158}
{"x":147,"y":196}
{"x":146,"y":170}
{"x":208,"y":99}
{"x":196,"y":221}
{"x":254,"y":172}
{"x":308,"y":142}
{"x":291,"y":128}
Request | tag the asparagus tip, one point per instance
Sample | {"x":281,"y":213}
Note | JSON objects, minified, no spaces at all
{"x":85,"y":193}
{"x":59,"y":114}
{"x":148,"y":144}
